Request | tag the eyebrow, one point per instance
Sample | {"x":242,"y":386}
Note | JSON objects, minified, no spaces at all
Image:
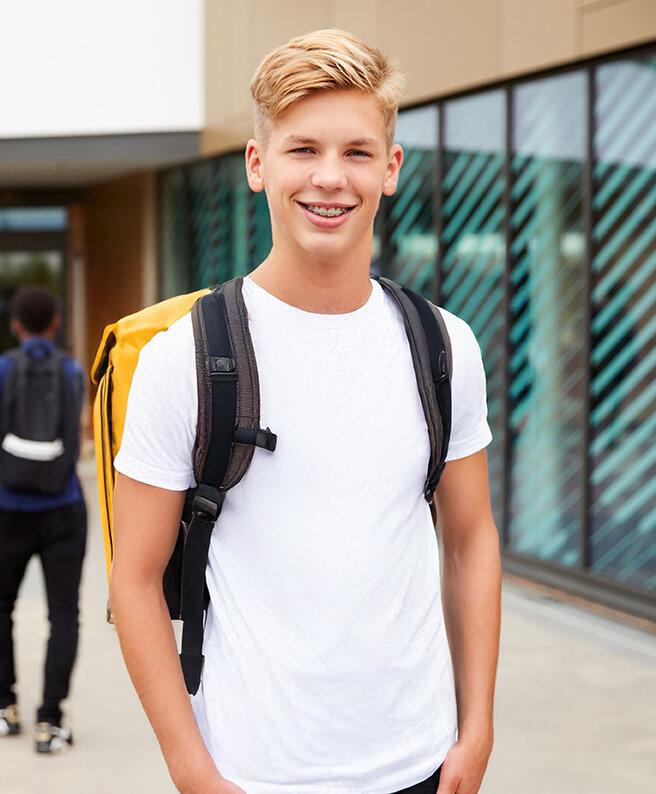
{"x":301,"y":140}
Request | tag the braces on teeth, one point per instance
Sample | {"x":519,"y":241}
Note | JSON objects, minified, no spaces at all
{"x":331,"y":212}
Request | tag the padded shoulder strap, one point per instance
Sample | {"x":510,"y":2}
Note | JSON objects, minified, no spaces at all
{"x":227,"y":432}
{"x":430,"y":347}
{"x":228,"y":389}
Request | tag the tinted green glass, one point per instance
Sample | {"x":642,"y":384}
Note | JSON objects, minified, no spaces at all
{"x":259,"y":228}
{"x":408,"y":239}
{"x":203,"y":254}
{"x":230,"y":218}
{"x":623,"y":388}
{"x":473,"y":261}
{"x":173,"y":261}
{"x":547,"y":362}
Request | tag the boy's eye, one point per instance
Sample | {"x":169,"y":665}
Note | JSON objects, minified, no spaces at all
{"x":302,"y":150}
{"x":359,"y":153}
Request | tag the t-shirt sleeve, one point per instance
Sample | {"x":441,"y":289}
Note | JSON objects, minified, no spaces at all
{"x":160,"y":423}
{"x":470,"y":431}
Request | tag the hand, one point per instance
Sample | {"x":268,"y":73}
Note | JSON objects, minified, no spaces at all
{"x":215,"y":785}
{"x":464,"y":766}
{"x":226,"y":787}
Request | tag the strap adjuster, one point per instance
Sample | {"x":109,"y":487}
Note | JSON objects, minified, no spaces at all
{"x":443,"y":363}
{"x":207,"y":503}
{"x":256,"y":437}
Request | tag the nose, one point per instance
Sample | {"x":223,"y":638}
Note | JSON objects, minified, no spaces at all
{"x":329,"y":173}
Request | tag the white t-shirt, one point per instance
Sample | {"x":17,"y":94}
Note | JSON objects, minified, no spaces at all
{"x":327,"y":669}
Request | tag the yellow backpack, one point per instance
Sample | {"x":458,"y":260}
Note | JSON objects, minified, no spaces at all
{"x":112,"y":372}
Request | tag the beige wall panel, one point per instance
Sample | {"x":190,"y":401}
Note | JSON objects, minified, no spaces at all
{"x":537,"y":34}
{"x":239,"y":33}
{"x":216,"y":61}
{"x":228,"y":58}
{"x":357,"y":16}
{"x":442,"y":45}
{"x":271,"y":28}
{"x":609,"y":26}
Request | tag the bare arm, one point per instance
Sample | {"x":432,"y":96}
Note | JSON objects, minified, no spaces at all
{"x":146,"y":521}
{"x":471,"y":590}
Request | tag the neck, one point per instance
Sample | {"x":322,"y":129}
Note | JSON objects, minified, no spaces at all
{"x":322,"y":286}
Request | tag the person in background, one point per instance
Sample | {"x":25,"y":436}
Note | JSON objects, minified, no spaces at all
{"x":42,"y":508}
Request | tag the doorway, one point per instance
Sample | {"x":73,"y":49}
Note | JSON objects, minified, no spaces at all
{"x":32,"y":253}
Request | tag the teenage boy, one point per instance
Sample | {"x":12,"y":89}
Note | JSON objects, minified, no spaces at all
{"x":327,"y":666}
{"x":51,"y":521}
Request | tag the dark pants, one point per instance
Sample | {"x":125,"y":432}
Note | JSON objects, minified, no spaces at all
{"x":429,"y":786}
{"x":58,"y":536}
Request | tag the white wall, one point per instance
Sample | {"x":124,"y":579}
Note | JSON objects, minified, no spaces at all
{"x":84,"y":67}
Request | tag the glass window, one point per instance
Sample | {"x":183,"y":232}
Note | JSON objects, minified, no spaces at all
{"x":230,"y":218}
{"x":259,"y":228}
{"x":30,"y":219}
{"x":203,"y":254}
{"x":474,"y":249}
{"x":623,"y":388}
{"x":174,"y":262}
{"x":27,"y":268}
{"x":407,"y":242}
{"x":547,"y":333}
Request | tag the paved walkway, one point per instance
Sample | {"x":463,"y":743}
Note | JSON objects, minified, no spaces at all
{"x":576,"y":700}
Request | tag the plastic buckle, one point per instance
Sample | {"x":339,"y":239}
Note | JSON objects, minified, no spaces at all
{"x":207,"y":503}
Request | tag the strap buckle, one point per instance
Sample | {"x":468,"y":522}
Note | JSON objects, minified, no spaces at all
{"x":207,"y":503}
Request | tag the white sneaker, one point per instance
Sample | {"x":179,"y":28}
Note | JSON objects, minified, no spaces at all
{"x":52,"y":739}
{"x":9,"y":722}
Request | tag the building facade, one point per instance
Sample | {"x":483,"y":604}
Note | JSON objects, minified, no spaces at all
{"x":526,"y":206}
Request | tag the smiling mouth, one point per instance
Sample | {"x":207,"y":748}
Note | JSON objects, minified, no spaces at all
{"x":326,"y":212}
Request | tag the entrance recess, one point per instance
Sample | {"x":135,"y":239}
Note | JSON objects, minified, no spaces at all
{"x":32,"y":253}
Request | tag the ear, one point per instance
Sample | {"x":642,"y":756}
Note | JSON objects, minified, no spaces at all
{"x":17,"y":329}
{"x":394,"y":161}
{"x":55,"y":325}
{"x":254,"y":166}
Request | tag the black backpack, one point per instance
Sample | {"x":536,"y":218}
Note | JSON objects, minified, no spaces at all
{"x":39,"y":423}
{"x":228,"y":427}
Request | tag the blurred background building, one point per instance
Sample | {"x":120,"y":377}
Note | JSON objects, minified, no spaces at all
{"x":526,"y":205}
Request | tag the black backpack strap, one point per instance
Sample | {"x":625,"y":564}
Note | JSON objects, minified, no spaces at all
{"x":227,"y":391}
{"x":431,"y":355}
{"x":214,"y":349}
{"x":439,"y":354}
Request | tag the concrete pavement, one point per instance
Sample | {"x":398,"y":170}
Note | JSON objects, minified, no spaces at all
{"x":576,"y":699}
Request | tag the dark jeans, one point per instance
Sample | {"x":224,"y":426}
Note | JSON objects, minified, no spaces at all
{"x":58,"y":536}
{"x":429,"y":786}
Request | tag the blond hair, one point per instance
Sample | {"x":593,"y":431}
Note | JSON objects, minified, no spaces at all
{"x":326,"y":60}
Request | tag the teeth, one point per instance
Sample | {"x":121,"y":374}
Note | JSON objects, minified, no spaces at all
{"x":331,"y":212}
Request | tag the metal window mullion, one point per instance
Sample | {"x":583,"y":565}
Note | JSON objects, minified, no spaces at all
{"x":507,"y":407}
{"x":159,"y":211}
{"x":588,"y":222}
{"x":438,"y":202}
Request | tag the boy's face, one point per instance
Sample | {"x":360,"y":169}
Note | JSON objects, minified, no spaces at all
{"x":324,"y":168}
